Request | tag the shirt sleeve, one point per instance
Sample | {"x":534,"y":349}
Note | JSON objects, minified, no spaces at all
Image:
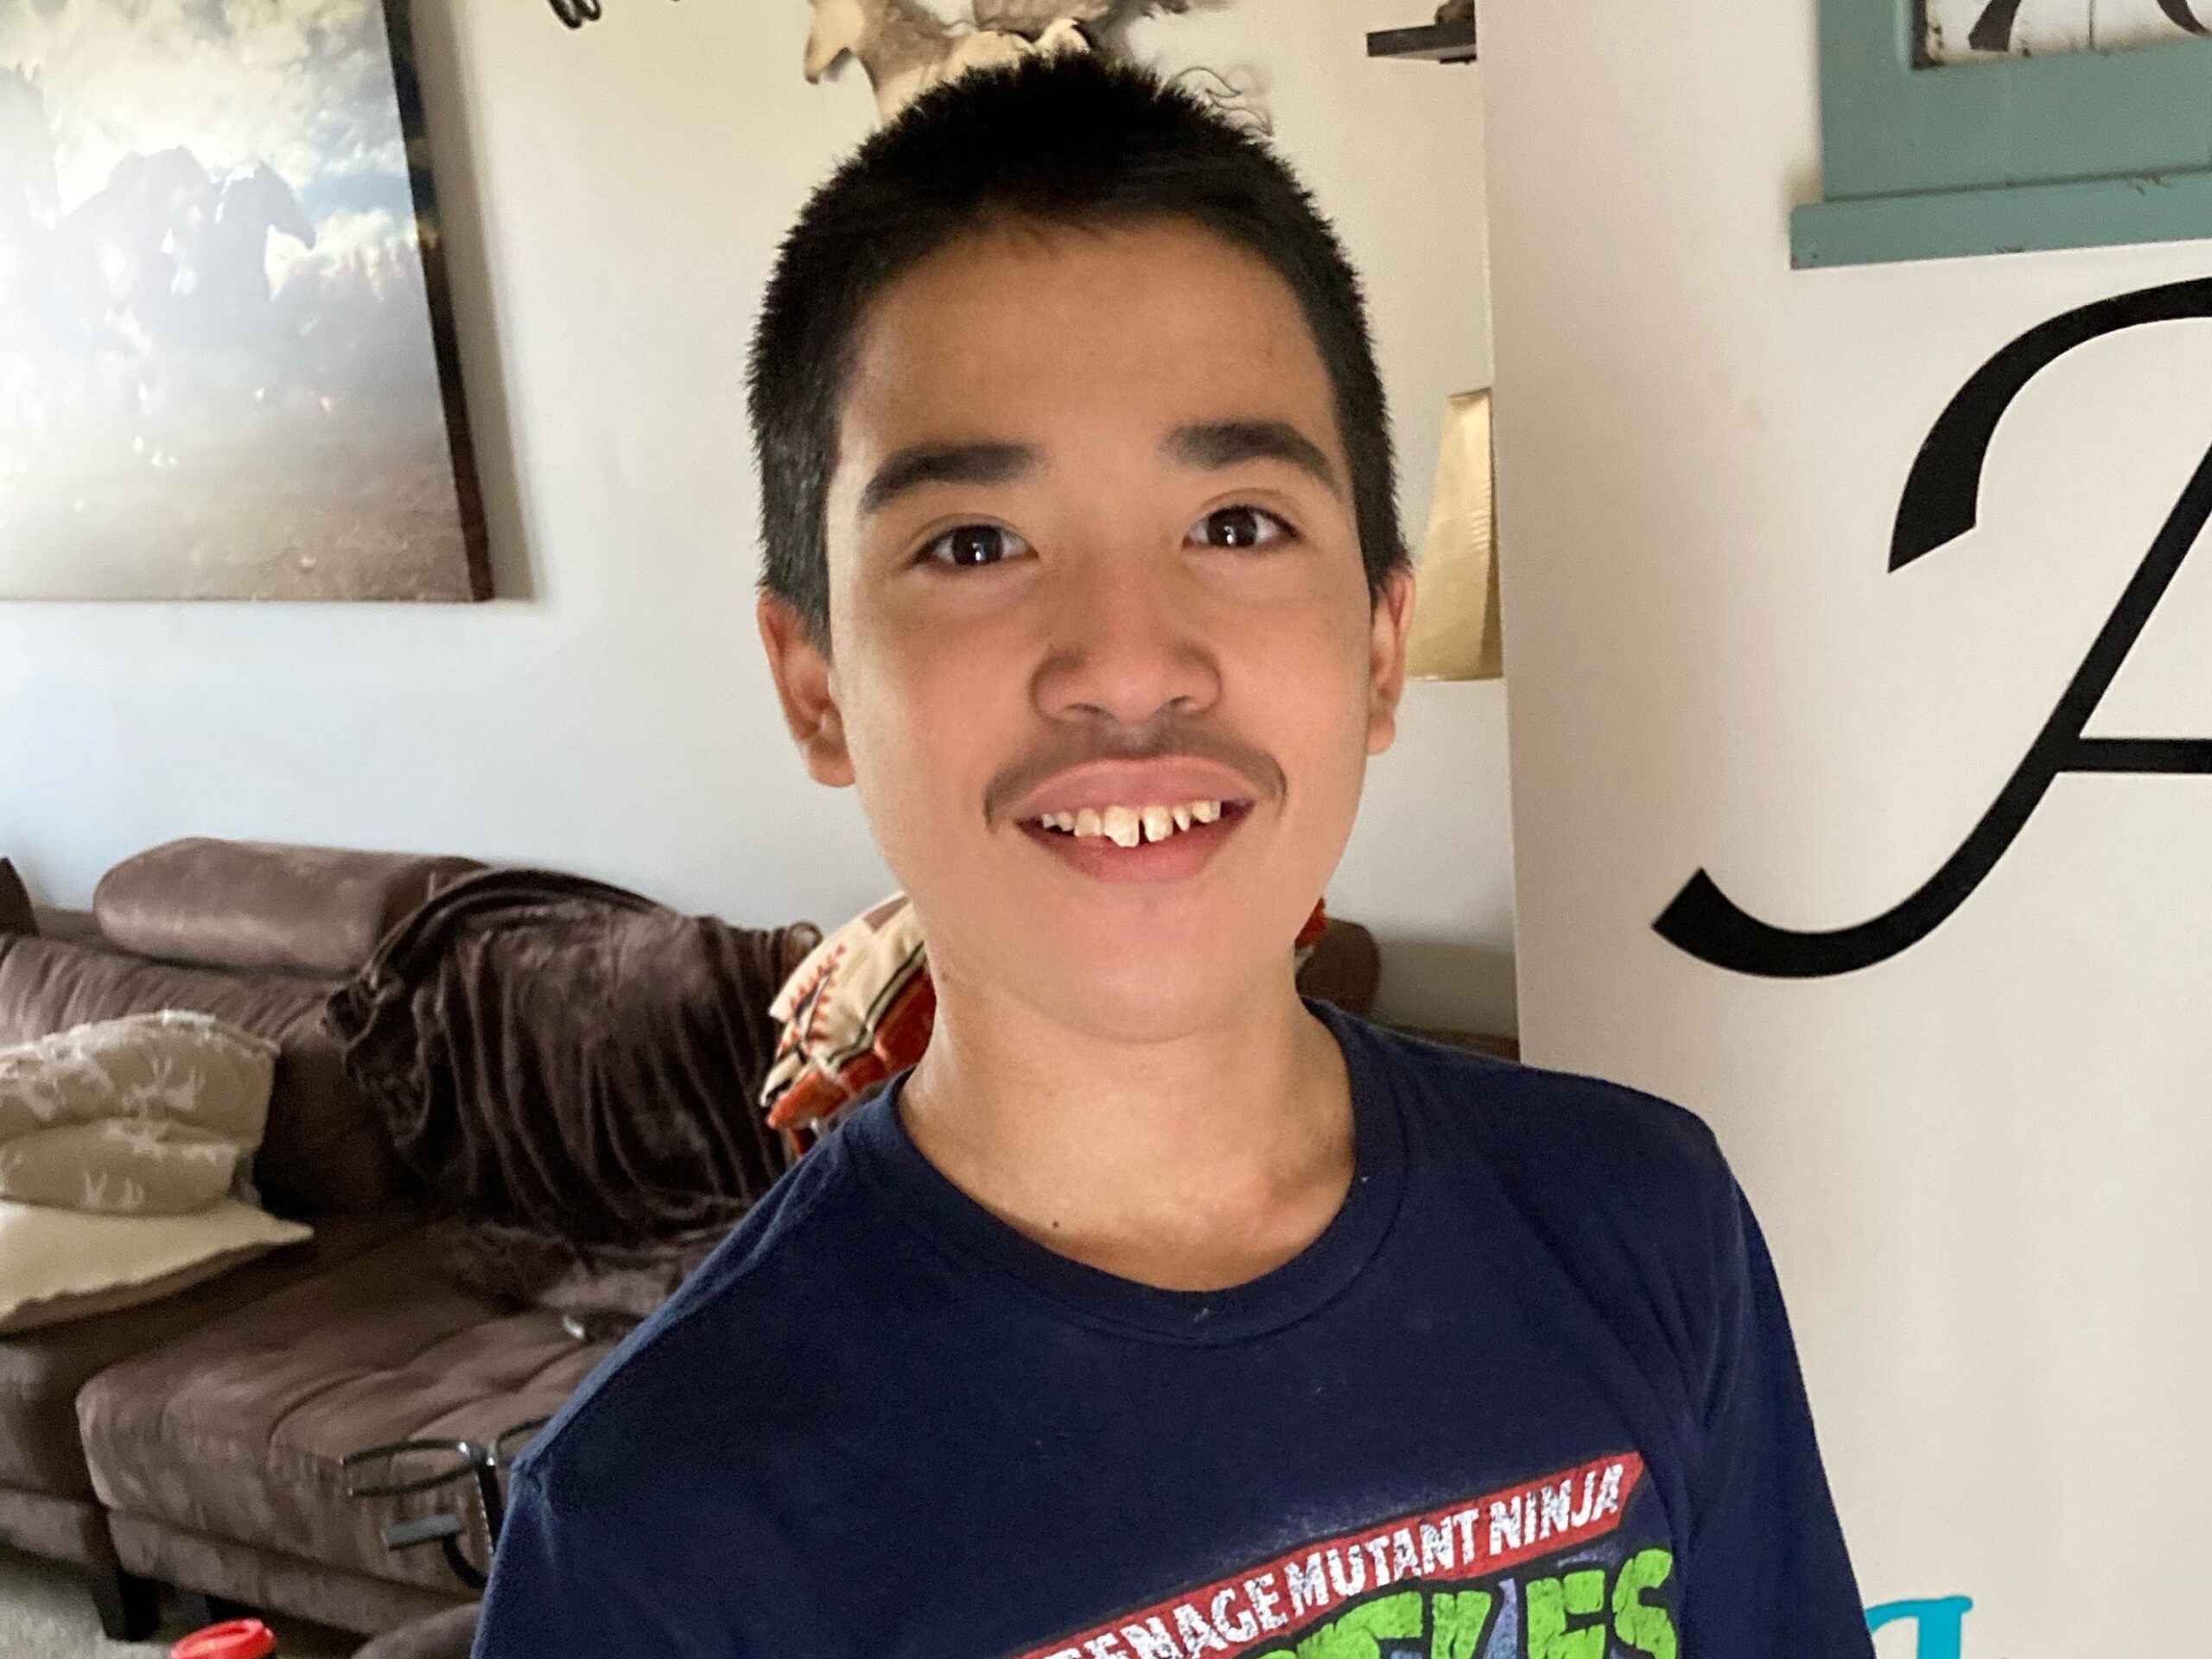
{"x":1766,"y":1570}
{"x":554,"y":1589}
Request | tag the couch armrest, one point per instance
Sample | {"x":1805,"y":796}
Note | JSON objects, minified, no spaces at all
{"x":1346,"y":967}
{"x":16,"y":916}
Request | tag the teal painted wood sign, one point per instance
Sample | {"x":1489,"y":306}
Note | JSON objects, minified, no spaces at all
{"x":1959,"y":127}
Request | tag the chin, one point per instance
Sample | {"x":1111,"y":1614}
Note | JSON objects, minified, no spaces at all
{"x":1151,"y":996}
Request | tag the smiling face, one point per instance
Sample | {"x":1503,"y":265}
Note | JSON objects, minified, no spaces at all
{"x":1106,"y":670}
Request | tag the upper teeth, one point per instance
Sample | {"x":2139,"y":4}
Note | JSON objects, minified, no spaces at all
{"x":1125,"y":826}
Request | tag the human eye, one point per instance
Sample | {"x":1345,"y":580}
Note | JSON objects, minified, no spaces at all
{"x":968,"y":547}
{"x":1239,"y":527}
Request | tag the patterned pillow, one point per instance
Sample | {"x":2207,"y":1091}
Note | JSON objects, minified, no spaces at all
{"x":860,"y":1009}
{"x":63,"y":1264}
{"x":152,"y":1114}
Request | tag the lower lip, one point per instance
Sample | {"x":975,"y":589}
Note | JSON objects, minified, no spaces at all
{"x":1178,"y":858}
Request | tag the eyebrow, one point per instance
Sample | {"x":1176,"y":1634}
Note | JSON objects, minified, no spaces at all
{"x":1209,"y":444}
{"x":944,"y":463}
{"x":1227,"y":443}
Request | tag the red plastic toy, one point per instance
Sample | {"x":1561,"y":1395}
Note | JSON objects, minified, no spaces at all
{"x":236,"y":1638}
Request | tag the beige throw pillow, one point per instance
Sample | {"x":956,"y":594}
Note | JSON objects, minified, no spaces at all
{"x":63,"y":1264}
{"x":152,"y":1114}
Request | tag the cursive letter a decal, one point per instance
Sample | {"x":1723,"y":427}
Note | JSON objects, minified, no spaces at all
{"x":1938,"y":507}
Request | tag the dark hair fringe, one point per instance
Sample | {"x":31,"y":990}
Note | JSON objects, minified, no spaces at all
{"x":1066,"y":139}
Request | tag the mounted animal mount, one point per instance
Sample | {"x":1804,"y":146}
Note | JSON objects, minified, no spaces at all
{"x":905,"y":48}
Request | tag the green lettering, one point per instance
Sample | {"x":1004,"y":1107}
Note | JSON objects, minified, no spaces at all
{"x":1549,"y":1602}
{"x":1361,"y":1632}
{"x":1457,"y":1622}
{"x":1645,"y":1625}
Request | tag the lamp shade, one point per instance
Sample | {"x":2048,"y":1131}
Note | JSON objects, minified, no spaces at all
{"x":1455,"y":633}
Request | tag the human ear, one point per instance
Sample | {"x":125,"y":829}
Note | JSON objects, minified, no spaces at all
{"x":804,"y":684}
{"x":1393,"y":614}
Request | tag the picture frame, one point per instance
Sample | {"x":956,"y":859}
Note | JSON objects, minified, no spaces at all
{"x":1924,"y":160}
{"x":227,"y":344}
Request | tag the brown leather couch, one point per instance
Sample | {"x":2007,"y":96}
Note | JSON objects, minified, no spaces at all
{"x":195,"y":1440}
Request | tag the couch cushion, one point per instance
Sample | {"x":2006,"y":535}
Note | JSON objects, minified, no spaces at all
{"x":235,"y":1432}
{"x":263,"y":907}
{"x":41,"y":1371}
{"x":324,"y":1149}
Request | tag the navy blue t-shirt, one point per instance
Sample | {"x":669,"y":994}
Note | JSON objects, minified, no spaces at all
{"x":1531,"y":1395}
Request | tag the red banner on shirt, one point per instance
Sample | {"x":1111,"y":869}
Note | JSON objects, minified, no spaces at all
{"x":1472,"y":1539}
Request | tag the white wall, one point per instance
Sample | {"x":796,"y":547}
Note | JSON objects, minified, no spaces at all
{"x":615,"y":196}
{"x":1982,"y":1163}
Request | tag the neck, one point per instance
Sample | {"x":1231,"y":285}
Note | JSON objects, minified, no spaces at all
{"x":1192,"y":1164}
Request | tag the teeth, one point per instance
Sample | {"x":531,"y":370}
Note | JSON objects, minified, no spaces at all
{"x":1129,"y":826}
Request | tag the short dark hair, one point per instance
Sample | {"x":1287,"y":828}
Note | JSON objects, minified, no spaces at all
{"x":1055,"y":139}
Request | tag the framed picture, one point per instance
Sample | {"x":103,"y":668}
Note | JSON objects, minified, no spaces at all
{"x":1959,"y":127}
{"x":226,"y":357}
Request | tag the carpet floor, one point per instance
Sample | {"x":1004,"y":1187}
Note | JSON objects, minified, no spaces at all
{"x":46,"y":1612}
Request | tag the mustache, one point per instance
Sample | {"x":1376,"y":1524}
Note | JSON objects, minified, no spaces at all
{"x":1163,"y":740}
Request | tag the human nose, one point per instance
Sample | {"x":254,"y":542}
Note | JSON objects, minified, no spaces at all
{"x":1128,"y":647}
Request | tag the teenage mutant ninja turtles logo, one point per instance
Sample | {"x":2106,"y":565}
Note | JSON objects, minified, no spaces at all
{"x":1536,"y":1572}
{"x":1939,"y":504}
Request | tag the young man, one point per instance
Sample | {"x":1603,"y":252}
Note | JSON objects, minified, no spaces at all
{"x":1156,"y":1314}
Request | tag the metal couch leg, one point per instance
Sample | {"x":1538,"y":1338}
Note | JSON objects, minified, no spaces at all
{"x":129,"y":1606}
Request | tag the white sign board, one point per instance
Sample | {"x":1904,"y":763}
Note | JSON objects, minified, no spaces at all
{"x":1957,"y":31}
{"x":1973,"y":1123}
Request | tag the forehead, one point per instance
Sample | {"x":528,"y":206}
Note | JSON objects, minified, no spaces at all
{"x":1019,"y":330}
